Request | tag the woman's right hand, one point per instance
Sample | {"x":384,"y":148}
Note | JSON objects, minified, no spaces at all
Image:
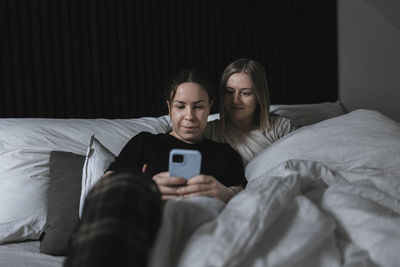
{"x":167,"y":185}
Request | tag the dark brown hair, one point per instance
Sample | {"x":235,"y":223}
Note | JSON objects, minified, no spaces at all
{"x":185,"y":76}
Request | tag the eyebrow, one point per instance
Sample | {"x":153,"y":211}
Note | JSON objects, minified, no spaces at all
{"x":182,"y":102}
{"x":228,"y":87}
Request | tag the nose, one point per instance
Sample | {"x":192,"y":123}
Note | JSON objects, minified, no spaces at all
{"x":236,"y":98}
{"x":189,"y":113}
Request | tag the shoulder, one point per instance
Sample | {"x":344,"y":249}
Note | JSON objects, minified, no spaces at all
{"x":230,"y":156}
{"x":212,"y":143}
{"x":144,"y":137}
{"x":279,"y":127}
{"x":221,"y":149}
{"x":280,"y":123}
{"x":152,"y":135}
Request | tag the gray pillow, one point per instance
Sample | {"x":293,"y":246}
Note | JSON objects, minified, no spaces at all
{"x":63,"y":201}
{"x":307,"y":114}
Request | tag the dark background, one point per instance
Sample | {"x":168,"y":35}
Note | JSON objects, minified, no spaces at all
{"x":113,"y":58}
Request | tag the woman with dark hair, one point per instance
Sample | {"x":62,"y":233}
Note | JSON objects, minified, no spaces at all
{"x":122,"y":213}
{"x":245,"y":122}
{"x":189,"y":102}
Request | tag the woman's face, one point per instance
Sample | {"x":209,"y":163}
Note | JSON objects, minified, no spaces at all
{"x":189,"y":111}
{"x":239,"y":98}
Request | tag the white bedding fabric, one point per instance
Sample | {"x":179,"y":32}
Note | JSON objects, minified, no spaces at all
{"x":326,"y":195}
{"x":362,"y":140}
{"x":27,"y":254}
{"x":98,"y":159}
{"x":300,"y":214}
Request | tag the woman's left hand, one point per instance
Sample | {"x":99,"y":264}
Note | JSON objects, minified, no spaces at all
{"x":207,"y":186}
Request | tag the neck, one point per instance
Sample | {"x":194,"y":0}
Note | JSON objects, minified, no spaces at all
{"x":245,"y":125}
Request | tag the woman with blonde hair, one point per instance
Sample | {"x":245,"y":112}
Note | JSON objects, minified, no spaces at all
{"x":245,"y":122}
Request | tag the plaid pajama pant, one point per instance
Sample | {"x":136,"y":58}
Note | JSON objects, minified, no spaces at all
{"x":119,"y":224}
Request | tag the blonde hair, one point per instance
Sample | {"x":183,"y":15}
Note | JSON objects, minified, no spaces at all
{"x":260,"y":88}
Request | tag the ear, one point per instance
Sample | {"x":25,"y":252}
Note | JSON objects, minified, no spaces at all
{"x":169,"y":107}
{"x":211,"y":104}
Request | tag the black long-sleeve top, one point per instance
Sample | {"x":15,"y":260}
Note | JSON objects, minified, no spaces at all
{"x":218,"y":160}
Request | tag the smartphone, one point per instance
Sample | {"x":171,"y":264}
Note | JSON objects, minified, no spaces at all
{"x":184,"y":163}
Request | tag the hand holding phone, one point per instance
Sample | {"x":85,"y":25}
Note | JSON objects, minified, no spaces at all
{"x":184,"y":163}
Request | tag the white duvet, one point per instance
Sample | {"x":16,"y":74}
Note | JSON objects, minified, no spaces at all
{"x":327,"y":195}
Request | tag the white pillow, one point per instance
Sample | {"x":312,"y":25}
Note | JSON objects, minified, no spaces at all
{"x":22,"y":201}
{"x":363,"y":140}
{"x":25,"y":147}
{"x":98,"y":159}
{"x":307,"y":114}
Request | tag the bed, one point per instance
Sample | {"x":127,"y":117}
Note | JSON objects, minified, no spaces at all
{"x":328,"y":194}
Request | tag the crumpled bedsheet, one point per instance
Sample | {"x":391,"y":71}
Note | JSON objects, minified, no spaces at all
{"x":300,"y":213}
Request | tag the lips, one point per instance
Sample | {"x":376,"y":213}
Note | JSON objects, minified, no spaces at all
{"x":190,"y":127}
{"x":236,"y":107}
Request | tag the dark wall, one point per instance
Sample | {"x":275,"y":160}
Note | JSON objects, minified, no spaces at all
{"x":104,"y":58}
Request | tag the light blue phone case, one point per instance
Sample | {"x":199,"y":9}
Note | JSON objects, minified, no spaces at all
{"x":188,"y":167}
